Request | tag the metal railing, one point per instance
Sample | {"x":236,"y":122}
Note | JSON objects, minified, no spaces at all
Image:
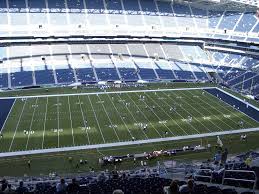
{"x":205,"y":176}
{"x":254,"y":181}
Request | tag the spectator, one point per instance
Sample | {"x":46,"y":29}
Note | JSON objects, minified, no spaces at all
{"x":101,"y":177}
{"x":224,"y":156}
{"x":117,"y":191}
{"x":189,"y":188}
{"x":21,"y":189}
{"x":248,"y":161}
{"x":61,"y":187}
{"x":173,"y":188}
{"x":9,"y":190}
{"x":73,"y":187}
{"x":4,"y":184}
{"x":217,"y":157}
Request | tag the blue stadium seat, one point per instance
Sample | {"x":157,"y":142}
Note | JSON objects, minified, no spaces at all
{"x":94,"y":4}
{"x":128,"y":74}
{"x":44,"y":77}
{"x":148,"y":6}
{"x":78,"y":4}
{"x":65,"y":76}
{"x":56,"y":4}
{"x":165,"y":74}
{"x":247,"y":22}
{"x":3,"y":80}
{"x":113,"y":5}
{"x":229,"y":20}
{"x":85,"y":75}
{"x":147,"y":74}
{"x":214,"y":18}
{"x":105,"y":74}
{"x":21,"y":78}
{"x":36,"y":4}
{"x":184,"y":75}
{"x":17,"y":4}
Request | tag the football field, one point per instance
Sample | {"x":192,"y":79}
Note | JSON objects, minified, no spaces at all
{"x":58,"y":121}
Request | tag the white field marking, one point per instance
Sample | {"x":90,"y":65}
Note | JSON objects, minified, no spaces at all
{"x":127,"y":143}
{"x":71,"y":122}
{"x":164,"y":100}
{"x":33,"y":113}
{"x":164,"y":123}
{"x":143,"y":114}
{"x":44,"y":125}
{"x":186,"y":102}
{"x":111,"y":123}
{"x":100,"y":152}
{"x":83,"y":117}
{"x":202,"y":113}
{"x":98,"y":124}
{"x":227,"y":116}
{"x":230,"y":106}
{"x":180,"y":114}
{"x":112,"y":92}
{"x":17,"y":125}
{"x":159,"y":119}
{"x":203,"y":101}
{"x":7,"y":116}
{"x":256,"y":108}
{"x":58,"y":117}
{"x":120,"y":116}
{"x":132,"y":116}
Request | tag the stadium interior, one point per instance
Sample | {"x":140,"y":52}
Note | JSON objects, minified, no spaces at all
{"x":129,"y":96}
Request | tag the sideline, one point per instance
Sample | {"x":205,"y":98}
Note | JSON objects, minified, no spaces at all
{"x":117,"y":144}
{"x":112,"y":92}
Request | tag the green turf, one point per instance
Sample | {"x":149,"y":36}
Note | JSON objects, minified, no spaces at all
{"x":96,"y":88}
{"x":61,"y":121}
{"x":43,"y":164}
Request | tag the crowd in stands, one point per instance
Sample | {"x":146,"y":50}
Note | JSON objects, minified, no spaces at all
{"x":120,"y":185}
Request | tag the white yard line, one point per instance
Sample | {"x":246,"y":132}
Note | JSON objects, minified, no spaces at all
{"x":111,"y":123}
{"x":58,"y":117}
{"x":84,"y":120}
{"x":157,"y":115}
{"x":121,"y":117}
{"x":132,"y":116}
{"x":127,"y":143}
{"x":44,"y":125}
{"x":34,"y":109}
{"x":98,"y":124}
{"x":194,"y":116}
{"x":196,"y":110}
{"x":144,"y":115}
{"x":17,"y":125}
{"x":234,"y":108}
{"x":7,"y":116}
{"x":209,"y":105}
{"x":167,"y":114}
{"x":71,"y":122}
{"x":159,"y":119}
{"x":179,"y":113}
{"x":114,"y":92}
